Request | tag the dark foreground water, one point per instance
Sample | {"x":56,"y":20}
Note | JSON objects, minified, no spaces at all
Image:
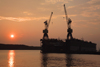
{"x":33,"y":58}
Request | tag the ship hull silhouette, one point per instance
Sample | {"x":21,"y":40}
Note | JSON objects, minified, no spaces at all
{"x":69,"y":46}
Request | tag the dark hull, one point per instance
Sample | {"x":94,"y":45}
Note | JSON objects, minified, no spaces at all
{"x":70,"y":46}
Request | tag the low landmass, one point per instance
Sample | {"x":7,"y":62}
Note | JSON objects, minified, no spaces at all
{"x":18,"y":47}
{"x":25,"y":47}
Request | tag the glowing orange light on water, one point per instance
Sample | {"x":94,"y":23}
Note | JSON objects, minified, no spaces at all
{"x":11,"y":55}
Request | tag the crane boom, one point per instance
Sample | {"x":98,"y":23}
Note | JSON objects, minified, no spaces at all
{"x":50,"y":18}
{"x":65,"y":13}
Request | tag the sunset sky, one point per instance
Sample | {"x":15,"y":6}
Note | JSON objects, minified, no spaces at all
{"x":25,"y":20}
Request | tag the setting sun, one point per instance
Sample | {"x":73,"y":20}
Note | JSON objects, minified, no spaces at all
{"x":12,"y":36}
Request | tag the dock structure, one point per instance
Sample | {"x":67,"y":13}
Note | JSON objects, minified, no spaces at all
{"x":71,"y":45}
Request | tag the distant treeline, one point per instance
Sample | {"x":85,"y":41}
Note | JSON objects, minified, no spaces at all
{"x":18,"y":47}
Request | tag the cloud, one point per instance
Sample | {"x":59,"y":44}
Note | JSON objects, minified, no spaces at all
{"x":27,"y":13}
{"x":93,"y":1}
{"x":43,"y":9}
{"x":21,"y":19}
{"x":87,"y":9}
{"x":86,"y":23}
{"x":92,"y":7}
{"x":57,"y":1}
{"x":90,"y":14}
{"x":56,"y":16}
{"x":14,"y":19}
{"x":71,"y":7}
{"x":74,"y":15}
{"x":42,"y":3}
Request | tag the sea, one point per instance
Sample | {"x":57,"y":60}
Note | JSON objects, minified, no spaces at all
{"x":34,"y":58}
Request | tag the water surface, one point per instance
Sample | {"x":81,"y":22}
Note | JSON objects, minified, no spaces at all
{"x":33,"y":58}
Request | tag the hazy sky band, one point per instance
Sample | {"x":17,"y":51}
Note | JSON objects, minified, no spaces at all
{"x":24,"y":19}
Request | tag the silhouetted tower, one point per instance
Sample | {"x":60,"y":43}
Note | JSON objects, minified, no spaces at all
{"x":45,"y":31}
{"x":68,"y":20}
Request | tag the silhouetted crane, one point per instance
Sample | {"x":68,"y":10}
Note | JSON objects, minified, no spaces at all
{"x":45,"y":31}
{"x":68,"y":20}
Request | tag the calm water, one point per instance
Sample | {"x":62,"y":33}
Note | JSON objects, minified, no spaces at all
{"x":33,"y":58}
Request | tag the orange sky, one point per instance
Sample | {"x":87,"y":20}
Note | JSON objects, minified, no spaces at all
{"x":24,"y":19}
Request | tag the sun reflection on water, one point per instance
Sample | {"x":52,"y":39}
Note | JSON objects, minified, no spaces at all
{"x":11,"y":55}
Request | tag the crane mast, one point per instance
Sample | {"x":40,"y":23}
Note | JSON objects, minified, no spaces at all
{"x":50,"y":19}
{"x":45,"y":31}
{"x":65,"y":13}
{"x":68,"y":20}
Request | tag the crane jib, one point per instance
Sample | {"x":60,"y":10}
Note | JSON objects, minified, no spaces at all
{"x":65,"y":13}
{"x":50,"y":19}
